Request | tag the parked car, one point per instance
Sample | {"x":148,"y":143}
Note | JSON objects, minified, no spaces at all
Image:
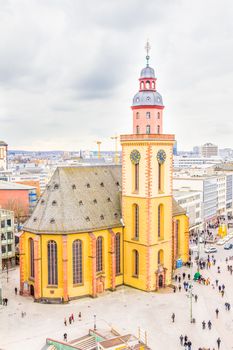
{"x":210,"y":250}
{"x":228,"y":246}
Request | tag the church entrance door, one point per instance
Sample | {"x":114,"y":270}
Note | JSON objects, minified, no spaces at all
{"x":160,"y":281}
{"x":31,"y":290}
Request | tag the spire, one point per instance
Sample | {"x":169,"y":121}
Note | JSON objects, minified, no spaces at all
{"x":147,"y":48}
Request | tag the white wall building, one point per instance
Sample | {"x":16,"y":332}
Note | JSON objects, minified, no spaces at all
{"x":191,"y":201}
{"x":7,"y":241}
{"x":209,"y":150}
{"x":189,"y":162}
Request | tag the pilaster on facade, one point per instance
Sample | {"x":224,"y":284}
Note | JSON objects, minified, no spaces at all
{"x":37,"y":267}
{"x":65,"y":268}
{"x":113,"y":259}
{"x":93,"y":263}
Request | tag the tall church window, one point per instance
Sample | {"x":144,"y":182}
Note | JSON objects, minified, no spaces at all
{"x":148,"y":129}
{"x":137,"y":115}
{"x":99,"y":254}
{"x":118,"y":253}
{"x":135,"y":263}
{"x":52,"y":263}
{"x":160,"y":177}
{"x":147,"y":115}
{"x":136,"y":220}
{"x":31,"y":255}
{"x":77,"y":262}
{"x":158,"y":115}
{"x":137,"y":129}
{"x":158,"y":129}
{"x":160,"y":222}
{"x":136,"y":177}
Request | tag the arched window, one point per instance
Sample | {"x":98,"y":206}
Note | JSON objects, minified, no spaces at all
{"x":148,"y":129}
{"x":142,"y":85}
{"x":99,"y":254}
{"x":135,"y":263}
{"x":77,"y":262}
{"x":153,"y":85}
{"x":158,"y":115}
{"x":136,"y":177}
{"x":52,"y":263}
{"x":147,"y":115}
{"x":137,"y":115}
{"x":160,"y":257}
{"x":147,"y":84}
{"x":31,"y":254}
{"x":158,"y":129}
{"x":137,"y":129}
{"x":136,"y":221}
{"x":118,"y":253}
{"x":160,"y":222}
{"x":178,"y":238}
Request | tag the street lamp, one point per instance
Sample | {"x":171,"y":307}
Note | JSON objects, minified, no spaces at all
{"x":94,"y":322}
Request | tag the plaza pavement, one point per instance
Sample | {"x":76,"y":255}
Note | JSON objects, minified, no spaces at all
{"x":126,"y":310}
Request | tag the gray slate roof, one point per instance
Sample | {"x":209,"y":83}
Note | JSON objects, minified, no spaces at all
{"x":148,"y":98}
{"x":79,"y":199}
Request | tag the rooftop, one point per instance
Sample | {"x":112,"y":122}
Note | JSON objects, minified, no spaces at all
{"x":6,"y":185}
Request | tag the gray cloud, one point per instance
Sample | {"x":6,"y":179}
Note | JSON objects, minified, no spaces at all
{"x":69,"y":69}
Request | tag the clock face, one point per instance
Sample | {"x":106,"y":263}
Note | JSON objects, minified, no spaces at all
{"x":135,"y":156}
{"x":161,"y":156}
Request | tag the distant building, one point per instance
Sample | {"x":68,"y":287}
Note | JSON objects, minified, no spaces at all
{"x":191,"y":201}
{"x":175,"y":148}
{"x":209,"y":150}
{"x":19,"y":198}
{"x":188,"y":162}
{"x":3,"y":155}
{"x":7,"y":241}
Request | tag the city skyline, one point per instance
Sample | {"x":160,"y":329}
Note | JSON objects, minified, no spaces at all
{"x":75,"y":76}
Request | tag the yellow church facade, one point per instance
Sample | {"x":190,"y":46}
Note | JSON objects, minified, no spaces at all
{"x":96,"y":228}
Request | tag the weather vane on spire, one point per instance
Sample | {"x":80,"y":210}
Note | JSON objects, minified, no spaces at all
{"x":147,"y":48}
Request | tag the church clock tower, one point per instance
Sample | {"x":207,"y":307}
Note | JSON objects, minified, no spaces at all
{"x":147,"y":190}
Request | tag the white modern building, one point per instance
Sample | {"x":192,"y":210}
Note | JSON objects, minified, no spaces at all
{"x":208,"y":186}
{"x":7,"y":241}
{"x":191,"y":201}
{"x":189,"y":162}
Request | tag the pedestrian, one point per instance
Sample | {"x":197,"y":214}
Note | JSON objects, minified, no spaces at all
{"x":218,"y":342}
{"x":176,"y":278}
{"x":79,"y":316}
{"x":65,"y":322}
{"x":195,"y":298}
{"x":217,"y":312}
{"x":179,"y":288}
{"x":173,"y":317}
{"x":174,"y":289}
{"x":209,"y":325}
{"x":72,"y":317}
{"x":65,"y":336}
{"x":183,"y":275}
{"x":189,"y":276}
{"x":223,"y":287}
{"x":219,"y":289}
{"x":22,"y":314}
{"x":6,"y":301}
{"x":203,"y":324}
{"x":181,"y":339}
{"x":189,"y":345}
{"x":179,"y":279}
{"x":16,"y":290}
{"x":216,"y":281}
{"x":222,"y":292}
{"x":70,"y":320}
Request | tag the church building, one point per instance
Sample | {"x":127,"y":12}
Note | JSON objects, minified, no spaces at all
{"x":99,"y":227}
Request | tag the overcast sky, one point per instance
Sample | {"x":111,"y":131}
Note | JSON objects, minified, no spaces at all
{"x":69,"y":70}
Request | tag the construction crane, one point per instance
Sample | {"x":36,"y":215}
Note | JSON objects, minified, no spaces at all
{"x":99,"y":143}
{"x":116,"y":159}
